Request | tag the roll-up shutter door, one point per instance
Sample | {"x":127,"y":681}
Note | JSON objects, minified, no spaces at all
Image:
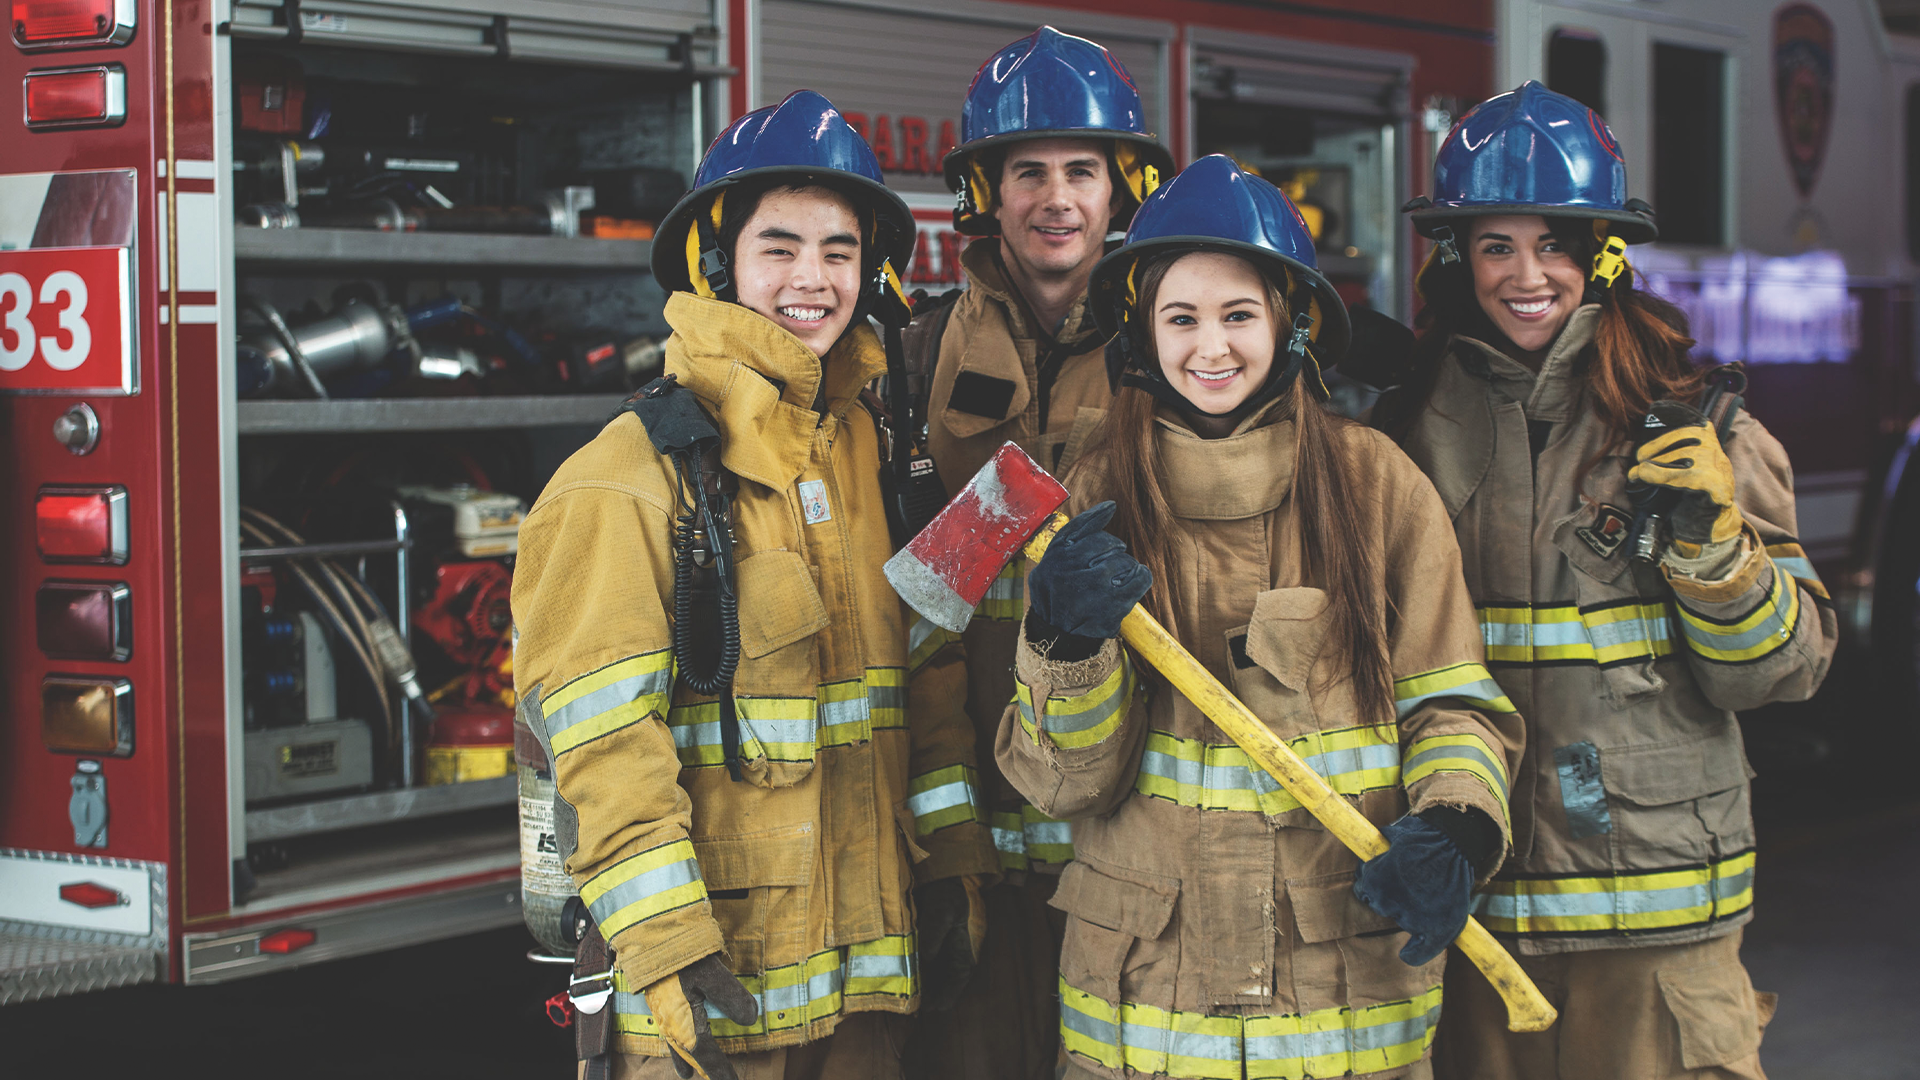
{"x":656,"y":34}
{"x":912,"y":69}
{"x":1278,"y":72}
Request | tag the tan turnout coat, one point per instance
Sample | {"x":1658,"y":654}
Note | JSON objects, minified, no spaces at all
{"x":1213,"y":927}
{"x":858,"y":759}
{"x":985,"y":391}
{"x":1632,"y":822}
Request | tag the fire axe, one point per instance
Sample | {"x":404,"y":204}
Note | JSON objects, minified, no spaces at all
{"x":1010,"y":507}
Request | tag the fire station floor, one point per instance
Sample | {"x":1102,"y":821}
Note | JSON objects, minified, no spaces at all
{"x":1835,"y":935}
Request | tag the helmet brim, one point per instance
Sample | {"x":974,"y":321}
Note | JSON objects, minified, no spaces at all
{"x":955,"y":164}
{"x":1625,"y":224}
{"x":1330,"y":338}
{"x":669,"y":256}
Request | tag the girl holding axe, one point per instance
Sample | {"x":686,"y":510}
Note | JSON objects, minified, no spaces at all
{"x":1216,"y":928}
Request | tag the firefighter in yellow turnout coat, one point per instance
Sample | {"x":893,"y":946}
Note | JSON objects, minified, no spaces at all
{"x":1215,"y":928}
{"x":1633,"y":867}
{"x":854,"y":758}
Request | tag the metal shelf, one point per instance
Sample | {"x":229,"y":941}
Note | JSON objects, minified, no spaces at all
{"x":452,"y":254}
{"x":378,"y":808}
{"x":423,"y":414}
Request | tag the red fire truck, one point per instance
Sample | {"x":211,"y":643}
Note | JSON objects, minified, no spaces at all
{"x":301,"y":301}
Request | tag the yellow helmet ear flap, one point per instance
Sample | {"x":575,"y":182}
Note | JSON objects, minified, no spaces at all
{"x":1141,"y":177}
{"x":979,"y":188}
{"x":696,"y":272}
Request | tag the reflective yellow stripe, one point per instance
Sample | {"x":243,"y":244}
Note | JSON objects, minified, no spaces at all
{"x":1009,"y":839}
{"x":1637,"y":902}
{"x":795,"y":995}
{"x":1792,"y":558}
{"x":1048,"y":840}
{"x":789,"y":729}
{"x":640,"y":887}
{"x":924,"y":642}
{"x":1469,"y":682}
{"x":1754,"y":636}
{"x":1082,"y":720}
{"x":1603,"y":634}
{"x":1006,"y":599}
{"x":944,"y":797}
{"x":1026,"y":836}
{"x":1216,"y":776}
{"x":1334,"y":1041}
{"x":603,"y":701}
{"x":1456,"y":753}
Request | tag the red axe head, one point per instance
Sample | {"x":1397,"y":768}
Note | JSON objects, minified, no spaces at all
{"x":945,"y":571}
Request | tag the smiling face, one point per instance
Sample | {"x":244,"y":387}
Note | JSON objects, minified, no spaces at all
{"x":1055,"y":201}
{"x":1524,"y":279}
{"x":1213,"y":331}
{"x":797,"y":261}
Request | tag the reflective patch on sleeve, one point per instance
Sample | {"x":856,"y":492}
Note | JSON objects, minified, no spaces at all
{"x":644,"y":886}
{"x":924,"y":642}
{"x":1581,"y":793}
{"x":1083,"y":720}
{"x":1006,"y":599}
{"x":1470,"y":682}
{"x":604,"y":701}
{"x":1456,"y":753}
{"x":944,"y":798}
{"x":1792,"y":560}
{"x":1754,"y":636}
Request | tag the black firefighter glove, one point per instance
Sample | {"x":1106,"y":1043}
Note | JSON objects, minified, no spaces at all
{"x":952,"y":925}
{"x":679,"y":1005}
{"x":1084,"y":585}
{"x":1424,"y":882}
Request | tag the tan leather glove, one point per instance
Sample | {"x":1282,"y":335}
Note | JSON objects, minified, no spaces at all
{"x":678,"y":1004}
{"x":1689,"y":459}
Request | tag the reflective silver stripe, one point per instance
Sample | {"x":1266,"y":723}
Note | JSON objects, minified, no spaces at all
{"x":1610,"y":902}
{"x":611,"y":696}
{"x":958,"y":793}
{"x":1796,"y":567}
{"x":1497,"y":770}
{"x":641,"y":886}
{"x":1047,"y":832}
{"x":1011,"y":841}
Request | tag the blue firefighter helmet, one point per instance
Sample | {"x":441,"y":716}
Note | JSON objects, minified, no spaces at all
{"x":1532,"y":151}
{"x":1051,"y":85}
{"x":1214,"y":205}
{"x":804,"y":138}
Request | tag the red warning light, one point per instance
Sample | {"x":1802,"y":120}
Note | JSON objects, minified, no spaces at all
{"x":286,"y":941}
{"x":68,"y":24}
{"x":90,"y":895}
{"x":77,"y":97}
{"x":81,"y":524}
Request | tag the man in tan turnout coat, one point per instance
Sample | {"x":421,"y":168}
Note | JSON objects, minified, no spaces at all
{"x":1017,"y":357}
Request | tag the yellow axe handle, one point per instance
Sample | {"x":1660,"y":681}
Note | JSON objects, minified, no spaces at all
{"x":1527,"y":1009}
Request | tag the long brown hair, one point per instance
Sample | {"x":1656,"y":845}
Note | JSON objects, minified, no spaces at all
{"x":1124,"y":453}
{"x":1638,"y":355}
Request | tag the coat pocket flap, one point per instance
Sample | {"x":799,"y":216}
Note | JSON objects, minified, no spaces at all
{"x":1286,"y":632}
{"x":1716,"y":1010}
{"x":1669,"y":772}
{"x":778,"y":602}
{"x":1325,"y":909}
{"x":750,"y":860}
{"x":1139,"y":907}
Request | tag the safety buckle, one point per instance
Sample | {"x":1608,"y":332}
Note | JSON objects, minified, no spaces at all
{"x":1443,"y":238}
{"x":1302,"y":326}
{"x":713,"y":267}
{"x":1611,"y":262}
{"x":590,"y":1001}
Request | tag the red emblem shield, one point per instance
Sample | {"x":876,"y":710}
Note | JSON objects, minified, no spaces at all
{"x":1803,"y":88}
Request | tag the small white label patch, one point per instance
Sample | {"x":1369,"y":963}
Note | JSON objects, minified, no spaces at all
{"x":813,"y":502}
